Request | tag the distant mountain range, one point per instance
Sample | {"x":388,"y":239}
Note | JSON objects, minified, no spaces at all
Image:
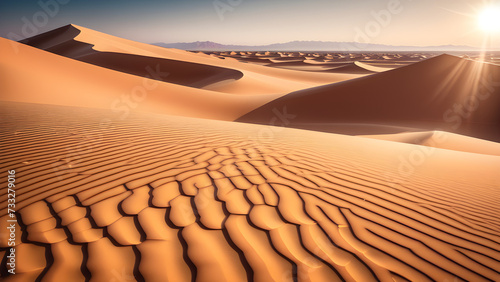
{"x":310,"y":46}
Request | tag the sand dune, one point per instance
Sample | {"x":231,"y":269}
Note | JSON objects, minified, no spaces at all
{"x":87,"y":85}
{"x":335,"y":67}
{"x":356,"y":67}
{"x":179,"y":72}
{"x":445,"y":92}
{"x":139,"y":182}
{"x":101,"y":49}
{"x":161,"y":198}
{"x":357,"y":64}
{"x":61,"y":41}
{"x":443,"y":140}
{"x":373,"y":67}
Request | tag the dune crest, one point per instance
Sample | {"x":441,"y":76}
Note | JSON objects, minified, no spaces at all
{"x":109,"y":51}
{"x":96,"y":87}
{"x":443,"y":140}
{"x":442,"y":93}
{"x":62,"y":41}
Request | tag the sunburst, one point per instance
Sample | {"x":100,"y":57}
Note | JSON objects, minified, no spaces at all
{"x":489,"y":19}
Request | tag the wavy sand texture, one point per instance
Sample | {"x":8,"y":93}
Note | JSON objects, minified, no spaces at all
{"x":161,"y":198}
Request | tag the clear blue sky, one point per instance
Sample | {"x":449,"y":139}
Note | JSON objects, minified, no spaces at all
{"x":256,"y":22}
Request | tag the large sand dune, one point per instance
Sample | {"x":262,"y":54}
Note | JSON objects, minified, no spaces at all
{"x":161,"y":198}
{"x":443,"y":140}
{"x":36,"y":76}
{"x":102,"y":49}
{"x":445,"y":92}
{"x":323,"y":62}
{"x":123,"y":172}
{"x":61,"y":41}
{"x":93,"y":69}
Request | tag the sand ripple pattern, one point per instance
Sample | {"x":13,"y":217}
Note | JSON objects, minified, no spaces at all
{"x":156,"y":198}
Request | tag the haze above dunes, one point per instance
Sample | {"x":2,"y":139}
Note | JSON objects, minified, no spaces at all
{"x":130,"y":165}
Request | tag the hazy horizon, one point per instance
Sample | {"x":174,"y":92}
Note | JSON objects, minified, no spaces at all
{"x":259,"y":22}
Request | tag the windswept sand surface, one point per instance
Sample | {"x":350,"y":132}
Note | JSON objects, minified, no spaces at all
{"x":102,"y":49}
{"x":445,"y":93}
{"x":162,"y":198}
{"x":124,"y":173}
{"x":443,"y":140}
{"x":35,"y":76}
{"x":357,"y":63}
{"x":91,"y":69}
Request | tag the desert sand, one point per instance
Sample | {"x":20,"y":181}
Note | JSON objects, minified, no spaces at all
{"x":444,"y":92}
{"x":165,"y":198}
{"x":326,"y":62}
{"x":176,"y":190}
{"x":81,"y":43}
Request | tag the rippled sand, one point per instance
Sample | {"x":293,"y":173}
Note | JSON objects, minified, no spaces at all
{"x":163,"y":198}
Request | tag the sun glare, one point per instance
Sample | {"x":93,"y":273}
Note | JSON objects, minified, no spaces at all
{"x":489,"y":19}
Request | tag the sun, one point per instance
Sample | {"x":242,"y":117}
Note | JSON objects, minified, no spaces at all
{"x":489,"y":19}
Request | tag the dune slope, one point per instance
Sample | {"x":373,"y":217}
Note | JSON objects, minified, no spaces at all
{"x":61,"y":41}
{"x":443,"y":140}
{"x":444,"y":92}
{"x":36,"y":76}
{"x":179,"y":72}
{"x":161,"y":198}
{"x":101,"y":49}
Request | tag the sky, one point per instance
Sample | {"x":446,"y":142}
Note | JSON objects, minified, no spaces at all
{"x":259,"y":22}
